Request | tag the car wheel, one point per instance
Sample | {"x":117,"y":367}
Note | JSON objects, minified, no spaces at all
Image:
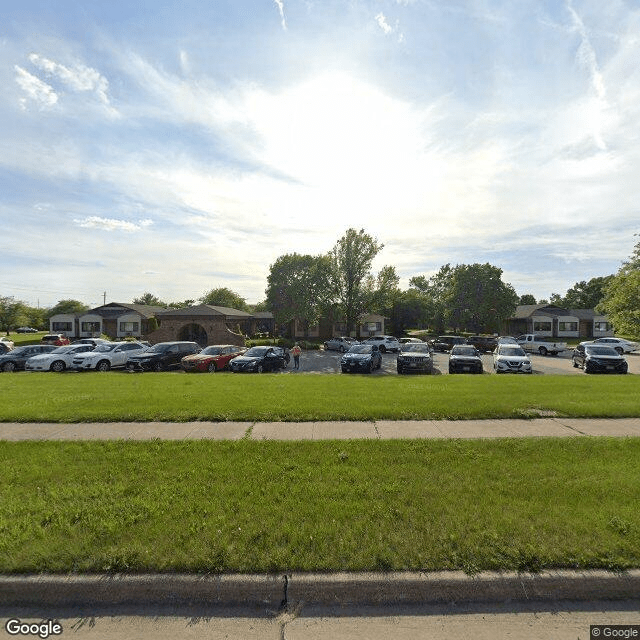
{"x":212,"y":367}
{"x":341,"y":349}
{"x":575,"y":364}
{"x":383,"y":349}
{"x":103,"y":365}
{"x":57,"y":366}
{"x":259,"y":369}
{"x":400,"y":370}
{"x":9,"y":367}
{"x":158,"y":366}
{"x":370,"y":367}
{"x":620,"y":350}
{"x":344,"y":370}
{"x":543,"y":351}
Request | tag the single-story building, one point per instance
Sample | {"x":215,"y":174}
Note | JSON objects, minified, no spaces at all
{"x":549,"y":321}
{"x":117,"y":320}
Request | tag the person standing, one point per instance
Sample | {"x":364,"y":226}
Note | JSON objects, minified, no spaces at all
{"x":295,"y":352}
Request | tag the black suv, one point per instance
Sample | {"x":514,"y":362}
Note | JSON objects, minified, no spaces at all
{"x":483,"y":343}
{"x":444,"y":343}
{"x":161,"y":356}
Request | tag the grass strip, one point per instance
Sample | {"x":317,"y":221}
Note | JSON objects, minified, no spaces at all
{"x":205,"y":506}
{"x":116,"y":396}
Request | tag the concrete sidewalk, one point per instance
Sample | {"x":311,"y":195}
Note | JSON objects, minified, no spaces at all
{"x":380,"y":429}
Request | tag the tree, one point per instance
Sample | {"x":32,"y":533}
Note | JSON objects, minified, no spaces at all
{"x":411,"y":309}
{"x":67,"y":306}
{"x":527,"y":298}
{"x":224,"y":297}
{"x":621,"y":302}
{"x":298,"y":288}
{"x":180,"y":305}
{"x":583,"y":295}
{"x":12,"y":313}
{"x":478,"y":299}
{"x":435,"y":290}
{"x":149,"y":300}
{"x":352,"y":284}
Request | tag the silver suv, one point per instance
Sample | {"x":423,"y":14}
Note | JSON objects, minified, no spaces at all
{"x":384,"y":343}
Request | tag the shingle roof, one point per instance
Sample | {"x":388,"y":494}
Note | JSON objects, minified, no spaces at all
{"x":204,"y":310}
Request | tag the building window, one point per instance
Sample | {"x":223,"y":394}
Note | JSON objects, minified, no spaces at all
{"x":541,"y":326}
{"x":567,"y":326}
{"x":129,"y":327}
{"x":59,"y":327}
{"x":602,"y":327}
{"x":90,"y":327}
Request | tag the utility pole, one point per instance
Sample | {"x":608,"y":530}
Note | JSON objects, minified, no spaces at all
{"x":104,"y":298}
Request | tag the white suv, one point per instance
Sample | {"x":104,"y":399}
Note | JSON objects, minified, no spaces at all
{"x":108,"y":355}
{"x":384,"y":343}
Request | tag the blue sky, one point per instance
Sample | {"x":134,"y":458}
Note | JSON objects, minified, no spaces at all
{"x":176,"y":147}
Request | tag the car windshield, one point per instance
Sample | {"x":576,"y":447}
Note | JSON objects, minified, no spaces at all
{"x":601,"y":351}
{"x":211,"y":351}
{"x":18,"y":350}
{"x":509,"y":350}
{"x":158,"y":348}
{"x":415,"y":346}
{"x":257,"y":352}
{"x":463,"y":351}
{"x":105,"y":347}
{"x":361,"y":348}
{"x":65,"y":349}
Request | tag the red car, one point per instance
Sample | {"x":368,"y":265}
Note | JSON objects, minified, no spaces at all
{"x":213,"y":358}
{"x":57,"y":339}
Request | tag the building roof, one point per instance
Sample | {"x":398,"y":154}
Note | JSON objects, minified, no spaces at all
{"x":204,"y":310}
{"x":115,"y":309}
{"x":530,"y":310}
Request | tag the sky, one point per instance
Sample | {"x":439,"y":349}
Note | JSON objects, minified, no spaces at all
{"x":177,"y":147}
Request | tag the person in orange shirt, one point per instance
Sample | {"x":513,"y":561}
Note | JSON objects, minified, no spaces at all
{"x":295,"y":352}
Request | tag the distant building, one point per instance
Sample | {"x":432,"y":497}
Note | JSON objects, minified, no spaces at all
{"x":549,"y":321}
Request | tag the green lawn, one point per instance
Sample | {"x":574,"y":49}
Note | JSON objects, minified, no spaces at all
{"x":116,"y":396}
{"x":205,"y":506}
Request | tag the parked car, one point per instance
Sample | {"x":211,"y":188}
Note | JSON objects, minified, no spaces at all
{"x":505,"y":340}
{"x":260,"y":359}
{"x":213,"y":358}
{"x":56,"y":339}
{"x":620,"y":345}
{"x":384,"y":343}
{"x":511,"y":358}
{"x":483,"y":343}
{"x":342,"y":344}
{"x":15,"y":359}
{"x":414,"y":357}
{"x":465,"y":358}
{"x":537,"y":344}
{"x":94,"y":341}
{"x":161,"y":356}
{"x":106,"y":356}
{"x":57,"y":360}
{"x":409,"y":340}
{"x":26,"y":330}
{"x":599,"y":358}
{"x":444,"y":343}
{"x":361,"y":357}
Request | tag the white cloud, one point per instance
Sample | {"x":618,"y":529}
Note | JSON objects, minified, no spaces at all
{"x":280,"y":4}
{"x":36,"y":89}
{"x":109,"y":224}
{"x":383,"y":24}
{"x":78,"y":78}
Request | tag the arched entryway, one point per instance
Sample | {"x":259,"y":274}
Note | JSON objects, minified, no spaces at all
{"x":193,"y":333}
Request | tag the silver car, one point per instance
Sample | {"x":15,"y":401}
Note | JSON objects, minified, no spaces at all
{"x":340,"y":344}
{"x":511,"y":358}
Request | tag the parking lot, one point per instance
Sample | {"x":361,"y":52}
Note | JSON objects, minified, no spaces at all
{"x":329,"y":362}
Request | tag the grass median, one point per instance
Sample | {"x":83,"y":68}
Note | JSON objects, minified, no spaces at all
{"x":119,"y":396}
{"x":208,"y":507}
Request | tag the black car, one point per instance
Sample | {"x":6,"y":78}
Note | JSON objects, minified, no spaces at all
{"x":161,"y":356}
{"x":415,"y":357}
{"x":465,"y":358}
{"x":26,"y":330}
{"x":445,"y":343}
{"x":361,"y":357}
{"x":259,"y":359}
{"x":595,"y":358}
{"x":15,"y":359}
{"x":483,"y":343}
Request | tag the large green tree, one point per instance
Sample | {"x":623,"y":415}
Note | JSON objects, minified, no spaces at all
{"x":477,"y":299}
{"x":583,"y":295}
{"x":149,"y":300}
{"x":224,"y":297}
{"x":67,"y":306}
{"x":12,"y":313}
{"x":527,"y":298}
{"x":434,"y":290}
{"x":298,"y":288}
{"x":352,"y":282}
{"x":412,"y":309}
{"x":621,"y":302}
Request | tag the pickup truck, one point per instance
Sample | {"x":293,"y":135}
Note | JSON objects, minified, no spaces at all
{"x":531,"y":342}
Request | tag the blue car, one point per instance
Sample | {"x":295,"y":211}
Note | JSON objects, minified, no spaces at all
{"x":361,"y":358}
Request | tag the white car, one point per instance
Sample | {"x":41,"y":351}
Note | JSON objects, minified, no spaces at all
{"x":511,"y":358}
{"x":384,"y":343}
{"x":620,"y":345}
{"x":57,"y":360}
{"x":107,"y":356}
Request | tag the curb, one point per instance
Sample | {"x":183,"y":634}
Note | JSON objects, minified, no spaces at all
{"x":338,"y":589}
